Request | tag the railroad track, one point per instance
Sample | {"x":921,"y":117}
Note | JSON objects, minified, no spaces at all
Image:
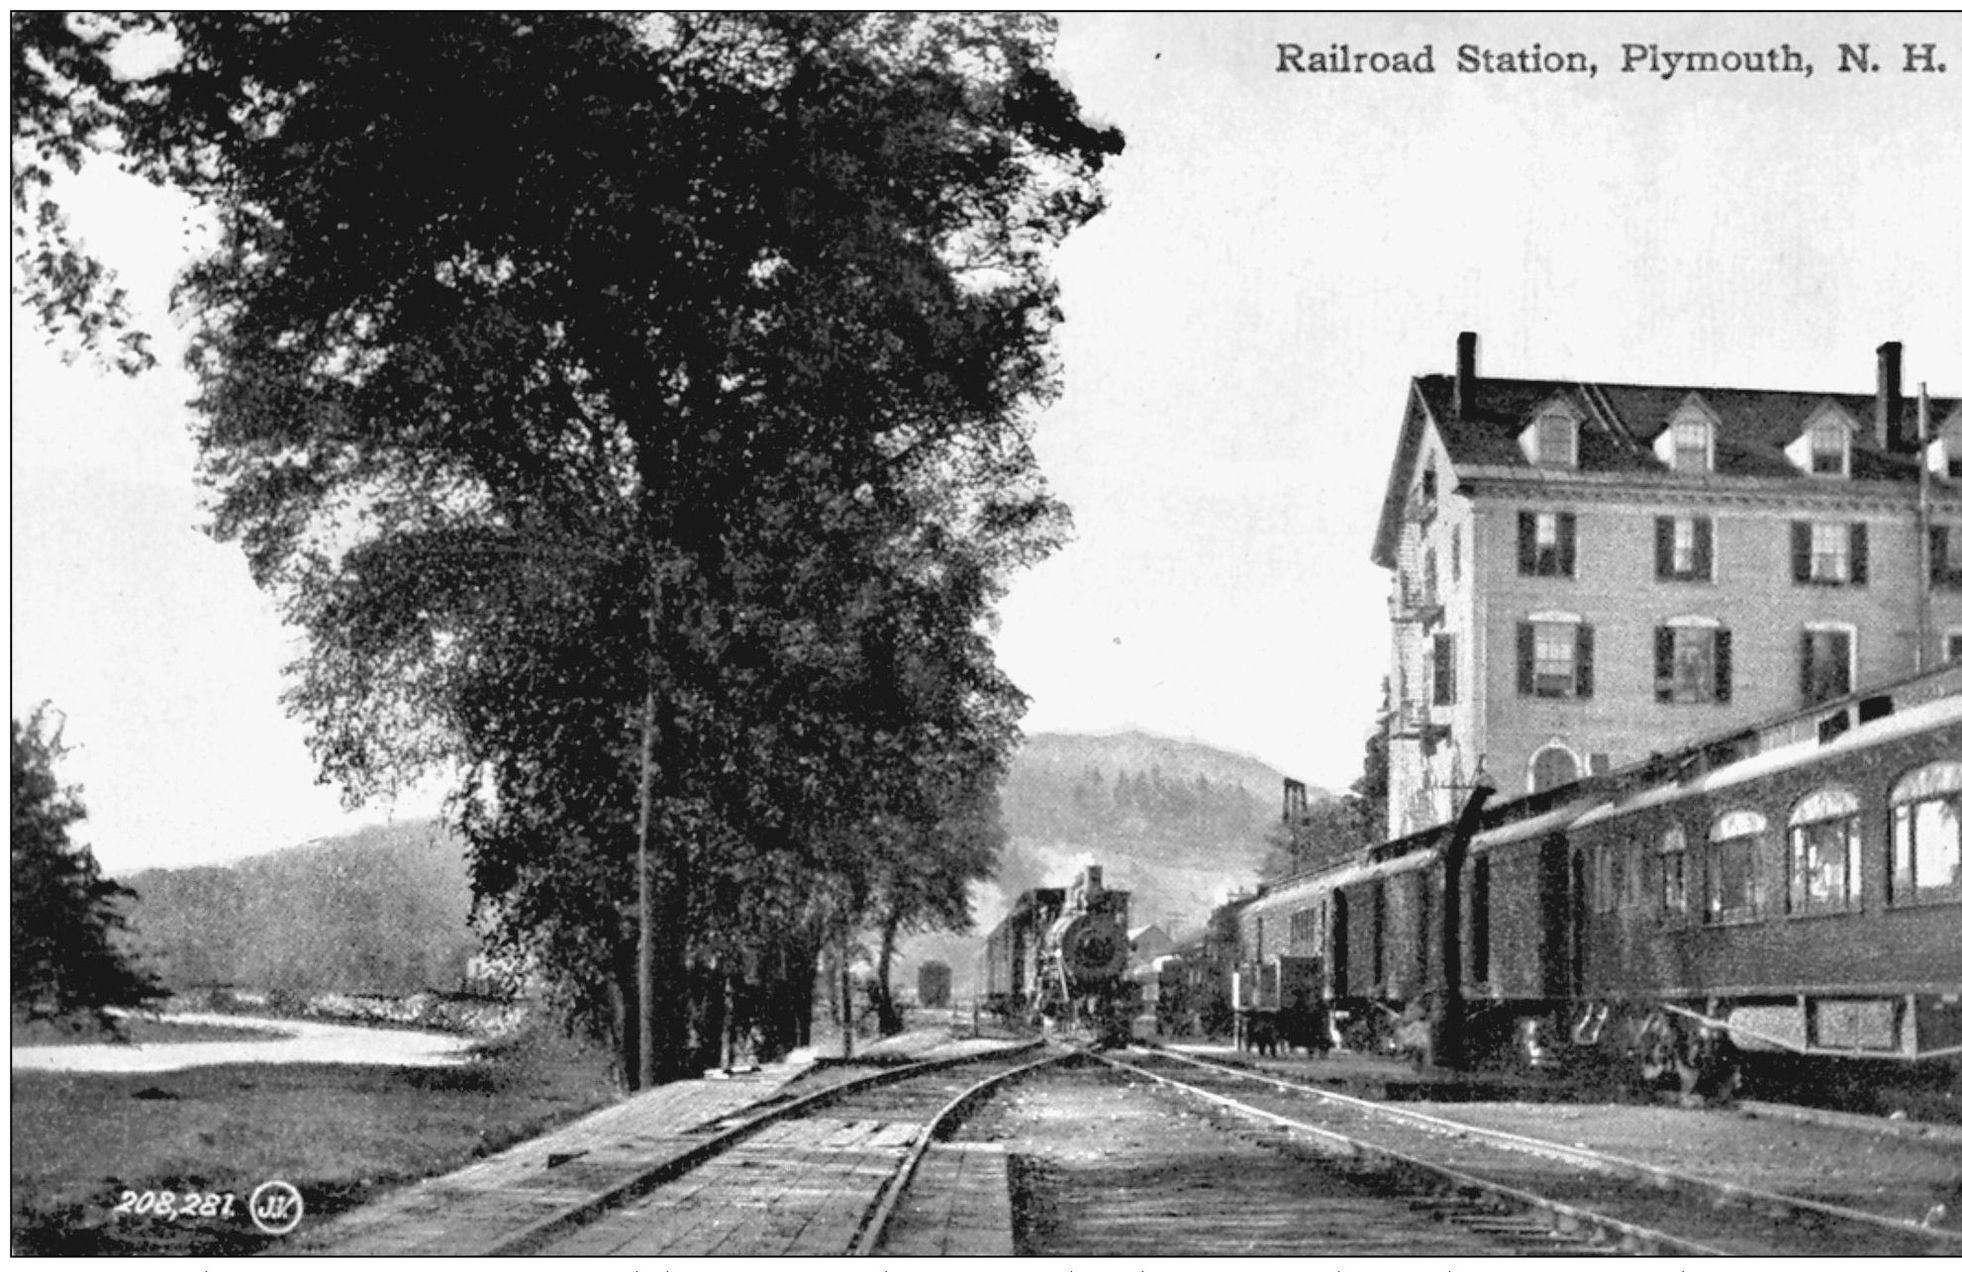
{"x":820,"y":1174}
{"x":1635,"y":1206}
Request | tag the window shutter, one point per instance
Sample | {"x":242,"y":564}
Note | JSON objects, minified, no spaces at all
{"x":1721,"y":688}
{"x":1527,"y":555}
{"x":1705,"y":533}
{"x":1801,"y":552}
{"x":1584,"y":661}
{"x":1525,"y":659}
{"x":1665,"y":546}
{"x":1858,"y":538}
{"x":1805,"y":667}
{"x":1564,"y":525}
{"x":1937,"y":554}
{"x":1444,"y":691}
{"x":1665,"y":664}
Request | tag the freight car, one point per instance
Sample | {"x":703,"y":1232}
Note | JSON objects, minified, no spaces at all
{"x":936,"y":983}
{"x":1790,"y":890}
{"x":1058,"y":958}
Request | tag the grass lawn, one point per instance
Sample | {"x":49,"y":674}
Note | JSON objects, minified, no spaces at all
{"x":341,"y":1133}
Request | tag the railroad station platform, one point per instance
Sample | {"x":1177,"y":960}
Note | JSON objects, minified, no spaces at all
{"x":486,"y":1206}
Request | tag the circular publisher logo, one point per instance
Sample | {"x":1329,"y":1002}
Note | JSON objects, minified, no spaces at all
{"x":276,"y":1207}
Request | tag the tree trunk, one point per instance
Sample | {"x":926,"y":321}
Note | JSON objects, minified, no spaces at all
{"x":626,"y":1020}
{"x":890,"y":1022}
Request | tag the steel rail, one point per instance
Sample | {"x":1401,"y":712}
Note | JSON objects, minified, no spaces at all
{"x":1646,"y":1240}
{"x":528,"y":1238}
{"x":1592,"y":1159}
{"x":894,"y":1189}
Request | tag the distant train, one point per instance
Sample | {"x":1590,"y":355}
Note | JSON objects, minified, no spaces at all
{"x":936,"y":983}
{"x":1792,"y":889}
{"x":1058,"y":959}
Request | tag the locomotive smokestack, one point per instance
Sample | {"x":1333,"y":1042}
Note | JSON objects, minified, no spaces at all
{"x":1464,"y":391}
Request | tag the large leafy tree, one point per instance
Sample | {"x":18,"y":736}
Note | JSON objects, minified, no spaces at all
{"x":632,"y":411}
{"x":64,"y":913}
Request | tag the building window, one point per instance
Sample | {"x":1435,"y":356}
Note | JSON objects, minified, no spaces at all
{"x":1691,"y":446}
{"x":1829,"y":553}
{"x":1733,"y":874}
{"x":1427,"y":488}
{"x":1830,"y":450}
{"x":1925,"y":845}
{"x":1683,"y":548}
{"x":1692,"y":662}
{"x":1825,"y":664}
{"x":1944,"y":557}
{"x":1555,"y":658}
{"x":1553,"y":765}
{"x":1825,"y":856}
{"x":1444,"y":670}
{"x":1557,"y":436}
{"x":1672,"y":873}
{"x":1952,"y":647}
{"x":1546,"y":544}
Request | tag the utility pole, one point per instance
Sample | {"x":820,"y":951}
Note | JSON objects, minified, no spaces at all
{"x":643,"y":867}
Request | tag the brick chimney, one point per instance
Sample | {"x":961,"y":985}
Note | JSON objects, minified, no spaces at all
{"x":1464,"y":392}
{"x":1889,"y":414}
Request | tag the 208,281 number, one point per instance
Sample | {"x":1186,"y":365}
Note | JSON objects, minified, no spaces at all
{"x":171,"y":1206}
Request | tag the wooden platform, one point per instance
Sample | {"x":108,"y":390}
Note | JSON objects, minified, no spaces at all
{"x":958,"y":1205}
{"x":484,"y":1206}
{"x":796,"y":1188}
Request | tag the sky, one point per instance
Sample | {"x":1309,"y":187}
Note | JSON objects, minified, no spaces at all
{"x":1282,"y":252}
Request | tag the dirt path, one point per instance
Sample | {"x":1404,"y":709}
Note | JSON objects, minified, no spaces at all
{"x":286,"y":1042}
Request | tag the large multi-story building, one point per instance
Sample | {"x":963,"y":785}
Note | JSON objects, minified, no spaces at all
{"x":1590,"y":573}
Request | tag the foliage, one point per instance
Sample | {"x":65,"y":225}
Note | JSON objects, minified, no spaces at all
{"x":384,"y":910}
{"x":1369,"y":796}
{"x":1326,"y":833}
{"x":64,"y":914}
{"x":632,"y":412}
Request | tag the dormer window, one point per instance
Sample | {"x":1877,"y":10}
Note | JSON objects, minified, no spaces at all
{"x":1554,"y":439}
{"x":1689,"y":444}
{"x":1692,"y":441}
{"x":1945,"y":451}
{"x":1825,"y":447}
{"x":1830,"y":447}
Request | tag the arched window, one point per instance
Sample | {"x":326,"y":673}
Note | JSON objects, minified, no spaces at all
{"x":1925,"y":843}
{"x":1553,"y":765}
{"x":1733,"y":870}
{"x":1824,"y":836}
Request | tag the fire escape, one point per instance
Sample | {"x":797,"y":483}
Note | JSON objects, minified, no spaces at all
{"x":1415,"y":609}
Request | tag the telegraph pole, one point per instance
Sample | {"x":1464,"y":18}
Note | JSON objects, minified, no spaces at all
{"x":643,"y":867}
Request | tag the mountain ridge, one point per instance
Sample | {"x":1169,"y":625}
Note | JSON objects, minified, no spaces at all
{"x":1177,"y":822}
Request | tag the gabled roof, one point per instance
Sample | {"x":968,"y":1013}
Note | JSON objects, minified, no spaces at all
{"x":1619,"y":424}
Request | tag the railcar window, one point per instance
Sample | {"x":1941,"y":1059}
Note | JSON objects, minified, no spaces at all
{"x":1672,"y":873}
{"x":1926,"y":839}
{"x":1612,"y":887}
{"x":1734,"y":877}
{"x":1825,"y":853}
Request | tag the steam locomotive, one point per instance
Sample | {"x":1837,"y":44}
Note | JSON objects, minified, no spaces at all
{"x":1793,"y":890}
{"x":1058,"y":959}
